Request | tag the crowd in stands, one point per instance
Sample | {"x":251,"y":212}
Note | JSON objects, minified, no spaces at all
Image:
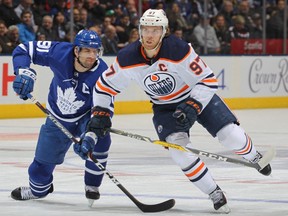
{"x":116,"y":21}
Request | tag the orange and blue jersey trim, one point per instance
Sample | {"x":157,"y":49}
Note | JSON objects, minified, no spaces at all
{"x":196,"y":171}
{"x":248,"y":147}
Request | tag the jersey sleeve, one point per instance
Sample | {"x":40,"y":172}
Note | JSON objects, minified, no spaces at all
{"x":36,"y":52}
{"x":198,"y":74}
{"x":112,"y":82}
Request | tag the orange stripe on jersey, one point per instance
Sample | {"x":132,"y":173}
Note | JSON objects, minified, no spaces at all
{"x":105,"y":89}
{"x":247,"y":149}
{"x":196,"y":171}
{"x":211,"y":80}
{"x":174,"y":94}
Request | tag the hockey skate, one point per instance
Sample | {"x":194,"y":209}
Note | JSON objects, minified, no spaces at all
{"x":266,"y":170}
{"x":219,"y":200}
{"x":25,"y":193}
{"x":92,"y":194}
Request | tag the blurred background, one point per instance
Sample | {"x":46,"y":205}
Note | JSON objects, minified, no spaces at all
{"x":214,"y":27}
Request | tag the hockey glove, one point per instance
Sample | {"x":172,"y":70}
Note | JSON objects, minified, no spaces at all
{"x":85,"y":145}
{"x":100,"y":122}
{"x":23,"y":83}
{"x":186,"y":114}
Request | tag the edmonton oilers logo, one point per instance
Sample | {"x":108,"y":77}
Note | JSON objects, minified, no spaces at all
{"x":160,"y":84}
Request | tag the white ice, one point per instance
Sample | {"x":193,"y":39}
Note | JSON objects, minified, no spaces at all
{"x":147,"y":171}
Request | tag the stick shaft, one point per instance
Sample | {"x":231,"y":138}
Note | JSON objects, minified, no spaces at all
{"x":143,"y":207}
{"x":181,"y":148}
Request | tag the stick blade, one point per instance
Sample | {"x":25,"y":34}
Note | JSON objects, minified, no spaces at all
{"x":267,"y":157}
{"x":168,"y":204}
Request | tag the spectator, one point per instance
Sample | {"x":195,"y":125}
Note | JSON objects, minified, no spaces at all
{"x":194,"y":17}
{"x":13,"y":38}
{"x":118,"y":12}
{"x":130,"y":9}
{"x":96,"y":28}
{"x":159,"y":5}
{"x":211,"y":7}
{"x":96,"y":11}
{"x":146,"y":4}
{"x":107,"y":22}
{"x":178,"y":32}
{"x":228,"y":11}
{"x":7,"y":13}
{"x":123,"y":29}
{"x":133,"y":36}
{"x":221,"y":30}
{"x":112,"y":15}
{"x":275,"y":25}
{"x":9,"y":38}
{"x":185,"y":7}
{"x":60,"y":5}
{"x":77,"y":25}
{"x":26,"y":5}
{"x":84,"y":18}
{"x":238,"y":30}
{"x":176,"y":19}
{"x":46,"y":30}
{"x":79,"y":4}
{"x":59,"y":26}
{"x":246,"y":12}
{"x":39,"y":11}
{"x":26,"y":30}
{"x":3,"y":37}
{"x":110,"y":41}
{"x":257,"y":29}
{"x":211,"y":41}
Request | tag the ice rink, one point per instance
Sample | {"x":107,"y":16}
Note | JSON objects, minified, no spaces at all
{"x":147,"y":171}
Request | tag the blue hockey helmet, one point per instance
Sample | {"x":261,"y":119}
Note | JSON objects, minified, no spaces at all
{"x":88,"y":39}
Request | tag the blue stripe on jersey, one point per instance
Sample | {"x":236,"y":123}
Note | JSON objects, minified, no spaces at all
{"x":106,"y":84}
{"x":200,"y":176}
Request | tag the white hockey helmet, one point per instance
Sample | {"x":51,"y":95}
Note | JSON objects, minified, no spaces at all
{"x":154,"y":17}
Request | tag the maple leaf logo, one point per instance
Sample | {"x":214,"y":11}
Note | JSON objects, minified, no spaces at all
{"x":67,"y":102}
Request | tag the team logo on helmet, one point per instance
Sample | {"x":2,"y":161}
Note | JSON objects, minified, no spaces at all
{"x":160,"y":83}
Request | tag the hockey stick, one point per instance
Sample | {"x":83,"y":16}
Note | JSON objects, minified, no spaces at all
{"x":264,"y":161}
{"x":163,"y":206}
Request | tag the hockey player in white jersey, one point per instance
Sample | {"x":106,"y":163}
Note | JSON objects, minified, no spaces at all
{"x":182,"y":88}
{"x":76,"y":68}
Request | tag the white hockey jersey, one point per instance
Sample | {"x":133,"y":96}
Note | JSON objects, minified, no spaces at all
{"x":174,"y":74}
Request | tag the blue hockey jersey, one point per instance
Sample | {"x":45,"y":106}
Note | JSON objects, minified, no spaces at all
{"x":70,"y":92}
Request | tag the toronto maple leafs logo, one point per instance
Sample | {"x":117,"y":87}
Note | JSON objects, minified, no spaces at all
{"x":67,"y":102}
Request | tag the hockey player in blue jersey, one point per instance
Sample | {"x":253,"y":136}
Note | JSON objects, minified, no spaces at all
{"x":76,"y":68}
{"x":182,"y":88}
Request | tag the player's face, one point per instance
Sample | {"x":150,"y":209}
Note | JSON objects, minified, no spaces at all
{"x":88,"y":56}
{"x":151,"y":36}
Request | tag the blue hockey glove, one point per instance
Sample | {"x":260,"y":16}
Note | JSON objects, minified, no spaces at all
{"x":100,"y":122}
{"x":186,"y":114}
{"x":23,"y":83}
{"x":85,"y":145}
